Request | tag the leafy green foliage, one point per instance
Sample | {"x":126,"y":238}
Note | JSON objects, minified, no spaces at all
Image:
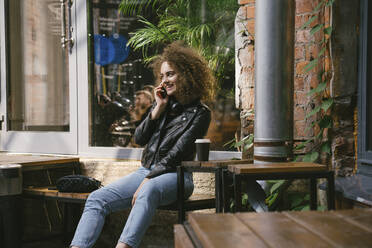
{"x":208,"y":28}
{"x":311,"y":65}
{"x":246,"y":143}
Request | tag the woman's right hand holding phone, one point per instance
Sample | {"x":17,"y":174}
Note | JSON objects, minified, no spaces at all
{"x":161,"y":99}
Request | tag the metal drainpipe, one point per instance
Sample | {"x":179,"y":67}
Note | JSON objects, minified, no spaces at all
{"x":274,"y":56}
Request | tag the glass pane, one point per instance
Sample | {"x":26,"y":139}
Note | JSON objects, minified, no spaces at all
{"x":38,"y":87}
{"x":121,"y":84}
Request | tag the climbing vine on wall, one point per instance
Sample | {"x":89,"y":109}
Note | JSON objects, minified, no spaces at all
{"x":321,"y":113}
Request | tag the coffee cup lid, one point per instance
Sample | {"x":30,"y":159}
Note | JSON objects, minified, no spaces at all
{"x":203,"y":141}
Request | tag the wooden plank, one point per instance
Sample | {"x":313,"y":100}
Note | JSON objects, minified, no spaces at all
{"x":216,"y":163}
{"x":279,"y":231}
{"x":35,"y":162}
{"x":181,"y":239}
{"x":276,"y":167}
{"x":223,"y":230}
{"x":332,"y":228}
{"x":33,"y":159}
{"x":225,"y":163}
{"x":52,"y":193}
{"x":191,"y":163}
{"x":360,"y":217}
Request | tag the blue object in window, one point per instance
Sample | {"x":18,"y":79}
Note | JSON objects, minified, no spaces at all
{"x":121,"y":49}
{"x":104,"y":50}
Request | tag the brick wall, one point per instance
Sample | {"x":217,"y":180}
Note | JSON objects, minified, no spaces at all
{"x":307,"y":47}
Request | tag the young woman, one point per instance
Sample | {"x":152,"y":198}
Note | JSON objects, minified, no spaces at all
{"x":168,"y":133}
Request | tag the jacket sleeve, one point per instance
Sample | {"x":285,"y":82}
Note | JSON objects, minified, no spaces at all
{"x":184,"y":144}
{"x":144,"y":131}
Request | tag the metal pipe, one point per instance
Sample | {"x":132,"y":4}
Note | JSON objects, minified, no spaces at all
{"x":274,"y":52}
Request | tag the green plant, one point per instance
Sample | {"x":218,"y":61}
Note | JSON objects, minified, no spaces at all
{"x":211,"y":32}
{"x":320,"y":142}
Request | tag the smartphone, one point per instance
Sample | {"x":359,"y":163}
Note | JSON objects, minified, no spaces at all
{"x":163,"y":93}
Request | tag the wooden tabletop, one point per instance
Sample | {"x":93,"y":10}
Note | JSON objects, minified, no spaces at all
{"x":216,"y":163}
{"x":276,"y":167}
{"x":343,"y":228}
{"x":34,"y":162}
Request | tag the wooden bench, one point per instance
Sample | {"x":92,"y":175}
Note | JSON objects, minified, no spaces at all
{"x":194,"y":202}
{"x":72,"y":202}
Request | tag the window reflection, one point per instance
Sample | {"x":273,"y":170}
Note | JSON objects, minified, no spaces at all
{"x":121,"y":85}
{"x":38,"y":89}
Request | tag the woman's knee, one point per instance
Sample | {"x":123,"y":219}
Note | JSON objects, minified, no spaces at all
{"x":149,"y":191}
{"x":96,"y":201}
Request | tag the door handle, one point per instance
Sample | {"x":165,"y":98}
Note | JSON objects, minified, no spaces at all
{"x":64,"y":39}
{"x":1,"y":121}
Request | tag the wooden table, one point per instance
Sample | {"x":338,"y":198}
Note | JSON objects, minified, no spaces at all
{"x":343,"y":228}
{"x":211,"y":166}
{"x":36,"y":162}
{"x":290,"y":170}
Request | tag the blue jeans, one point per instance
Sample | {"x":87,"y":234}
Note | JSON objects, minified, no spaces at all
{"x":117,"y":196}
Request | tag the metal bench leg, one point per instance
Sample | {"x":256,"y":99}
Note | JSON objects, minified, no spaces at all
{"x":218,"y":190}
{"x":180,"y":194}
{"x":331,"y":191}
{"x":237,"y":193}
{"x":313,"y":194}
{"x":226,"y":182}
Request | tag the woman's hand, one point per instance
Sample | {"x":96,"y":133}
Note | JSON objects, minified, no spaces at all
{"x":138,"y":189}
{"x":161,"y":102}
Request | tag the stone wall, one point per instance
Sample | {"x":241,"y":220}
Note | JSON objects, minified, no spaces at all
{"x":343,"y":86}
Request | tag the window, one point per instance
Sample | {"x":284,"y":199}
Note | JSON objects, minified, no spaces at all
{"x":38,"y":78}
{"x":121,"y":84}
{"x":87,"y":98}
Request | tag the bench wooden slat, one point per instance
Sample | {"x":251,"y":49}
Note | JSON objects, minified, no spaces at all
{"x":53,"y":193}
{"x":276,"y":167}
{"x":194,"y":202}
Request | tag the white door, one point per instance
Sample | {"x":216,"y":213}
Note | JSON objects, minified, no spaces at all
{"x":38,"y":76}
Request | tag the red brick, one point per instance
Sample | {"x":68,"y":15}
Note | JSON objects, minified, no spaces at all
{"x":300,"y":98}
{"x":314,"y":81}
{"x":241,"y":2}
{"x":299,"y":129}
{"x":300,"y":67}
{"x":303,"y":36}
{"x":299,"y":83}
{"x":299,"y":52}
{"x":312,"y":51}
{"x":250,"y":26}
{"x":250,"y":12}
{"x":298,"y":21}
{"x":299,"y":113}
{"x":305,"y":6}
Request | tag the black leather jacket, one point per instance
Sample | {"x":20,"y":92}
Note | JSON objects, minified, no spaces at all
{"x":169,"y":144}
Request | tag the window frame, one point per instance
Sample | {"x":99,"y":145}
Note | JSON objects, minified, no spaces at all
{"x":364,"y":155}
{"x":84,"y":147}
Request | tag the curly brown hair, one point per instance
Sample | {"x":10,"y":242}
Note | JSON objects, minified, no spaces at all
{"x":195,"y":78}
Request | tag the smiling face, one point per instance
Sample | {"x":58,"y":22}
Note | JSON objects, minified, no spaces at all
{"x":168,"y":77}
